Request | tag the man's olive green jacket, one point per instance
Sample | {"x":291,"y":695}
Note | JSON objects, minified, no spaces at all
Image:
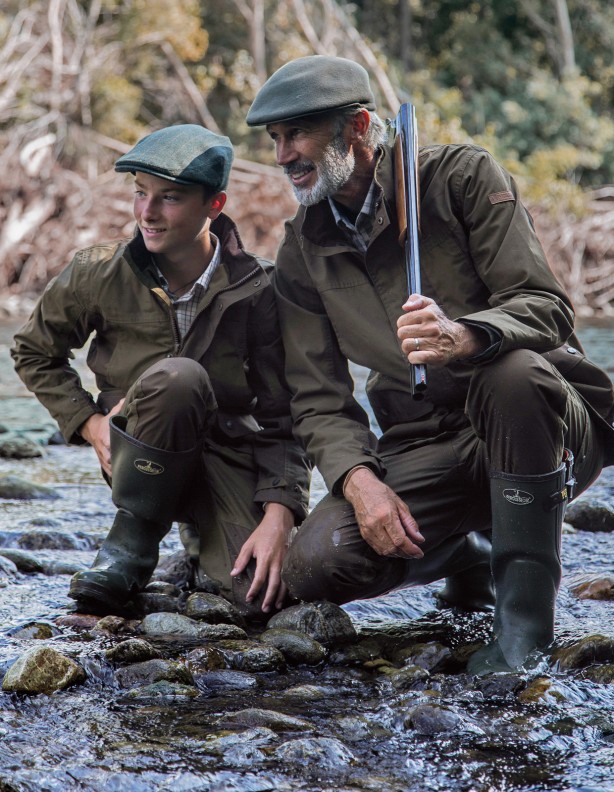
{"x":480,"y":261}
{"x":112,"y":292}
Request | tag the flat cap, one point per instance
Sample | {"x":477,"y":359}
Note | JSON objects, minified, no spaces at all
{"x":186,"y":154}
{"x":310,"y":85}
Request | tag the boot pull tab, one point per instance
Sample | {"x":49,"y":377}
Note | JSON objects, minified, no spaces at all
{"x":567,"y":492}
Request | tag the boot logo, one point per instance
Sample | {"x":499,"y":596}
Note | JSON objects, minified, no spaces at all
{"x":148,"y":467}
{"x":518,"y":497}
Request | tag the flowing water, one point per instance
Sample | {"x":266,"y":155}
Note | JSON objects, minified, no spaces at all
{"x":95,"y":737}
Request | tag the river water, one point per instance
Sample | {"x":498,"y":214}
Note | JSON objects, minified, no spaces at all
{"x":92,"y":738}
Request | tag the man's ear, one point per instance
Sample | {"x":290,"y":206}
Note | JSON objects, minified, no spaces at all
{"x":360,"y":124}
{"x":218,"y":202}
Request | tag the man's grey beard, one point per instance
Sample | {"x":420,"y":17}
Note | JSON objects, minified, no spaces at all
{"x":333,"y":171}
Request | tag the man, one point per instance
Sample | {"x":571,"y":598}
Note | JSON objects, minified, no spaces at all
{"x":192,"y":420}
{"x":490,"y":447}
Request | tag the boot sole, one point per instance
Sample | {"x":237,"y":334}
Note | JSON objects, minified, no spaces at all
{"x":94,"y":595}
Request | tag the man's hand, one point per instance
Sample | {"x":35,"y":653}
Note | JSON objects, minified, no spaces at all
{"x":268,"y":545}
{"x":97,"y":432}
{"x":384,"y":520}
{"x":428,"y":336}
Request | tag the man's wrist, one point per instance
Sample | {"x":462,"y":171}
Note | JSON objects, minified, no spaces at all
{"x":349,"y":475}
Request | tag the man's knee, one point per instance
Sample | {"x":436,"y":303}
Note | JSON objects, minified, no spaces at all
{"x":176,"y":383}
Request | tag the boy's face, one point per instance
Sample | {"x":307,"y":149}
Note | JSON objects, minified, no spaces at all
{"x":173,"y":218}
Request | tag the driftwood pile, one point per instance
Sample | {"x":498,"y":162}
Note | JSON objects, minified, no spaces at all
{"x":48,"y":212}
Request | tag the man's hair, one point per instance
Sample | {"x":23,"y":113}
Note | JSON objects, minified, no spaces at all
{"x":376,"y":133}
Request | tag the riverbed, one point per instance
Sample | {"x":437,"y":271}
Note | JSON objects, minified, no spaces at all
{"x":362,"y":726}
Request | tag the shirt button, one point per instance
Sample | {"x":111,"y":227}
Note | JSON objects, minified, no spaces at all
{"x":572,"y":350}
{"x":380,"y":220}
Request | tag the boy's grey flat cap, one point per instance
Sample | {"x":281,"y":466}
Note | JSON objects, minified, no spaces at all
{"x":186,"y":154}
{"x":310,"y":85}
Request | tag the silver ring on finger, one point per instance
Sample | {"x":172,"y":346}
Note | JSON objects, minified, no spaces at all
{"x":417,"y":344}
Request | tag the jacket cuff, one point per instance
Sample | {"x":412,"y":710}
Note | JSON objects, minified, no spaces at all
{"x":297,"y":500}
{"x":70,"y":429}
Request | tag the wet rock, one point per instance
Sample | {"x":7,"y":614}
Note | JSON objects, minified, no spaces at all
{"x":115,"y":625}
{"x":297,"y":647}
{"x":325,"y":753}
{"x":205,"y":658}
{"x":133,"y":650}
{"x":8,"y":568}
{"x":54,"y":540}
{"x":80,"y":622}
{"x":42,"y":670}
{"x":495,"y":686}
{"x":589,"y":650}
{"x":603,"y":675}
{"x":356,"y":728}
{"x":17,"y":447}
{"x":224,"y":680}
{"x":162,"y":587}
{"x":434,"y":657}
{"x":151,"y":671}
{"x":593,"y":586}
{"x":24,"y":561}
{"x":277,"y":721}
{"x":162,"y":690}
{"x":153,"y":602}
{"x":251,"y":656}
{"x":410,"y":678}
{"x":212,"y":609}
{"x":365,"y":651}
{"x":176,"y":568}
{"x":222,"y":745}
{"x":590,"y":514}
{"x":432,"y":719}
{"x":309,"y":692}
{"x":325,"y":622}
{"x":15,"y":488}
{"x":34,"y":630}
{"x":177,"y":625}
{"x":542,"y":690}
{"x":61,"y":567}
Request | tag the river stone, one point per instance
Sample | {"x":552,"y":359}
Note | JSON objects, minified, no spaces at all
{"x":432,"y":719}
{"x":603,"y":675}
{"x":162,"y":690}
{"x":162,"y":587}
{"x":170,"y":624}
{"x":219,"y":745}
{"x":8,"y":568}
{"x":590,"y":514}
{"x":153,"y":602}
{"x":409,"y":678}
{"x":176,"y":568}
{"x":34,"y":630}
{"x":309,"y":692}
{"x":323,"y":621}
{"x":205,"y":658}
{"x":15,"y":488}
{"x":587,"y":651}
{"x":325,"y":753}
{"x":53,"y":540}
{"x":114,"y":624}
{"x":24,"y":561}
{"x":62,"y":567}
{"x":542,"y":690}
{"x":225,"y":680}
{"x":593,"y":586}
{"x":434,"y":657}
{"x":17,"y":447}
{"x":80,"y":622}
{"x":42,"y":670}
{"x":151,"y":671}
{"x":298,"y":648}
{"x":133,"y":650}
{"x":278,"y":721}
{"x":251,"y":656}
{"x":212,"y":609}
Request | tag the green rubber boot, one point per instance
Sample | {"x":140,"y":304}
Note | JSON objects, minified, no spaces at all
{"x":526,"y":563}
{"x":147,"y":487}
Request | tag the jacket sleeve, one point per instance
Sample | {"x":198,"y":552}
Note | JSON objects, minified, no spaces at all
{"x":527,"y":305}
{"x":328,"y":419}
{"x":284,"y":470}
{"x":42,"y":350}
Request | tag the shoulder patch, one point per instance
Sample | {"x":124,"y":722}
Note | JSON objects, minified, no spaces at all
{"x":501,"y":197}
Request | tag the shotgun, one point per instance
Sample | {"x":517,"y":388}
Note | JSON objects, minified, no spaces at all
{"x":408,"y":212}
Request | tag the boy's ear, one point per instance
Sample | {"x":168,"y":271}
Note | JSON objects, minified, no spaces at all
{"x":217,"y":204}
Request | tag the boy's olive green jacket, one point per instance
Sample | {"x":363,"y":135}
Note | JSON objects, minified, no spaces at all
{"x":112,"y":292}
{"x":480,"y":261}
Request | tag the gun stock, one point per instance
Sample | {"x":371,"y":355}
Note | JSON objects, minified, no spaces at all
{"x":408,"y":209}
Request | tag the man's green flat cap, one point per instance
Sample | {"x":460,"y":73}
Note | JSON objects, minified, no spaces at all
{"x":310,"y":85}
{"x":186,"y":154}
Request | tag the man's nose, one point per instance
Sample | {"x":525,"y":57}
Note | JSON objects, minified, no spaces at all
{"x":284,"y":152}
